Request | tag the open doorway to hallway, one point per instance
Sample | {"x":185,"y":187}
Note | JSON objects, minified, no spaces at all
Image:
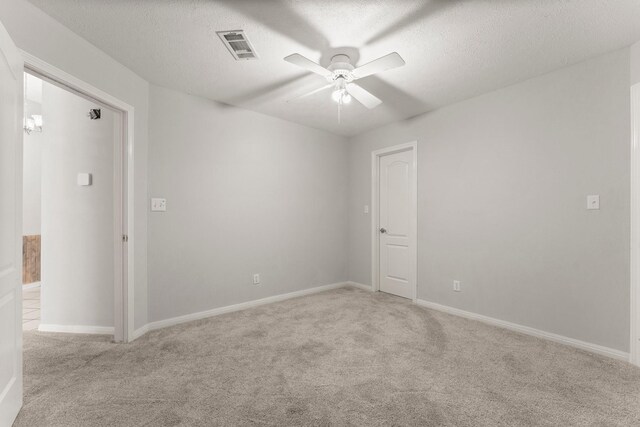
{"x":68,"y":210}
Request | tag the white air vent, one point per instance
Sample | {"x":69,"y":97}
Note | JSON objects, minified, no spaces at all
{"x":238,"y":44}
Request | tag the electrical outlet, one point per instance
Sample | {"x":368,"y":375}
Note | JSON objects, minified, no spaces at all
{"x":158,"y":205}
{"x":456,"y":286}
{"x":256,"y":279}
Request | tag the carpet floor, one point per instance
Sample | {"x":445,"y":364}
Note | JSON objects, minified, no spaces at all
{"x":343,"y":357}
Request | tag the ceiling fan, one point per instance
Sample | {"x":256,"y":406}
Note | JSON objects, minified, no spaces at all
{"x":341,"y":75}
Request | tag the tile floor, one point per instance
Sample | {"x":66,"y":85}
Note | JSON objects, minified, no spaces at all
{"x":30,"y":309}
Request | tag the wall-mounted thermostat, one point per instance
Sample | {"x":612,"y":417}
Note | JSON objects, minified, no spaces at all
{"x":84,"y":179}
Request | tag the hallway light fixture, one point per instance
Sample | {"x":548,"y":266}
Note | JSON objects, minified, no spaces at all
{"x":31,"y":123}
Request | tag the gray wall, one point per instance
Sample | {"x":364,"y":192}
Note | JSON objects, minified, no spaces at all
{"x":77,"y":221}
{"x":32,"y":155}
{"x":503,"y":180}
{"x":32,"y":161}
{"x":635,"y":63}
{"x":246,"y":193}
{"x":37,"y":33}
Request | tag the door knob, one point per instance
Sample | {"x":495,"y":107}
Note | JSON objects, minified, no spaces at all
{"x":383,"y":230}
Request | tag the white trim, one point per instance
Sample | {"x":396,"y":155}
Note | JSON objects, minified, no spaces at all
{"x":360,"y":286}
{"x":140,"y":332}
{"x":7,"y":45}
{"x":241,"y":306}
{"x":634,"y":345}
{"x":77,"y":329}
{"x":124,"y":172}
{"x":31,"y":286}
{"x":413,"y":239}
{"x":47,"y":70}
{"x":159,"y":324}
{"x":12,"y":387}
{"x":594,"y":348}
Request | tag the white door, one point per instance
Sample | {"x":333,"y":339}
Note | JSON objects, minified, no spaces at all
{"x":396,"y":180}
{"x":10,"y":229}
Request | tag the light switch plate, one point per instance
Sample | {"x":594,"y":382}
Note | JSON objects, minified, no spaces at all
{"x":158,"y":205}
{"x":593,"y":202}
{"x":366,"y":209}
{"x":84,"y":179}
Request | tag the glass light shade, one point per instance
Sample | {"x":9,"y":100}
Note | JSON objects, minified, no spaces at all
{"x":29,"y":124}
{"x":37,"y":120}
{"x":341,"y":96}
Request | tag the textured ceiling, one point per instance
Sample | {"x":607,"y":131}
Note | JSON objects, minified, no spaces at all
{"x":453,"y":49}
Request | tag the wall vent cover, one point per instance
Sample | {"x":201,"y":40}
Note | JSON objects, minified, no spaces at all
{"x":238,"y":44}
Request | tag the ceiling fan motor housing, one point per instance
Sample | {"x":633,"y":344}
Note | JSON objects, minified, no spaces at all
{"x":341,"y":73}
{"x":340,"y":68}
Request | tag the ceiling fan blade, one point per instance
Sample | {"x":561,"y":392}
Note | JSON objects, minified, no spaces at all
{"x":362,"y":96}
{"x":312,"y":92}
{"x":307,"y":64}
{"x":387,"y":62}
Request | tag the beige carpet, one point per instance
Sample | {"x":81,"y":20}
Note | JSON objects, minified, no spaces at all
{"x":344,"y":357}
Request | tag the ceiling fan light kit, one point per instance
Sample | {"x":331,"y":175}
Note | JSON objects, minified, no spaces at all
{"x":340,"y":93}
{"x":341,"y":74}
{"x":340,"y":68}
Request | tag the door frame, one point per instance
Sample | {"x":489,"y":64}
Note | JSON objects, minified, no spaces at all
{"x":634,"y":347}
{"x":12,"y":391}
{"x":375,"y":226}
{"x":123,"y":190}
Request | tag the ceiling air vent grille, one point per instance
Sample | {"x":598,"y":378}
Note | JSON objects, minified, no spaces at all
{"x":238,"y":44}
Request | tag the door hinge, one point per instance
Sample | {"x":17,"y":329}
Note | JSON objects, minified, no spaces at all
{"x":125,"y":238}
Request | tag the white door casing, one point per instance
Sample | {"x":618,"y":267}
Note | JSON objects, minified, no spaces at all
{"x":124,"y":171}
{"x":634,"y":350}
{"x":395,"y":220}
{"x":10,"y":229}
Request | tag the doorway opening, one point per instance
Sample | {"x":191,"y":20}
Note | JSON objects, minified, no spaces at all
{"x":73,"y":219}
{"x":123,"y":189}
{"x":394,"y":199}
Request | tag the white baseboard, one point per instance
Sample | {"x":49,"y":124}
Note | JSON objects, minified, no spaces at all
{"x":77,"y":329}
{"x":594,"y":348}
{"x":31,"y":286}
{"x":139,"y":332}
{"x":231,"y":308}
{"x":360,"y":286}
